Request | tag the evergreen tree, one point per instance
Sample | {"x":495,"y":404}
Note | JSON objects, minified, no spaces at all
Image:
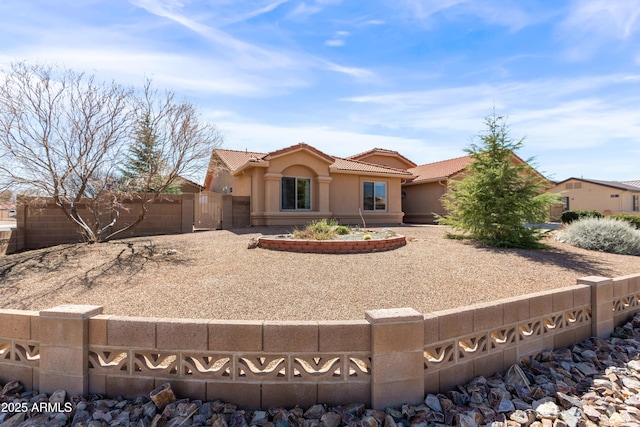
{"x":145,"y":169}
{"x":498,"y":194}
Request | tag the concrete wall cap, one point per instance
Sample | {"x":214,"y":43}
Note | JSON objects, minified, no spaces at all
{"x":593,"y":279}
{"x":342,"y":322}
{"x":72,"y":311}
{"x":393,"y":315}
{"x":14,"y":311}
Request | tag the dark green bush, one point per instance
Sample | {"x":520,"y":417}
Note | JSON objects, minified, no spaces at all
{"x":631,"y":219}
{"x":568,"y":217}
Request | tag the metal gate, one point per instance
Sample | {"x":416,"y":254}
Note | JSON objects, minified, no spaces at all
{"x":207,"y":212}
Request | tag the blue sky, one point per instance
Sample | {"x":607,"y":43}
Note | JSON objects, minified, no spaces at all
{"x":347,"y":76}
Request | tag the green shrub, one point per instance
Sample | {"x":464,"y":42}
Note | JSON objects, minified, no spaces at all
{"x":605,"y":235}
{"x":499,"y":193}
{"x":317,"y":230}
{"x":568,"y":217}
{"x":631,"y":219}
{"x":342,"y":230}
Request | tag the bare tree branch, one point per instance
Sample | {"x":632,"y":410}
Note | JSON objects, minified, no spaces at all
{"x":63,"y":133}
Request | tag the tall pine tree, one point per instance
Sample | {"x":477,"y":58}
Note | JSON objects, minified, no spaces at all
{"x":145,"y":167}
{"x":499,"y":194}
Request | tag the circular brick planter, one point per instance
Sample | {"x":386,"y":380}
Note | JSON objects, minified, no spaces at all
{"x":332,"y":246}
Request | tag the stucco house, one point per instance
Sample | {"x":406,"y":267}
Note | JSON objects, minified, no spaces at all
{"x":422,"y":194}
{"x":607,"y":197}
{"x":299,"y":184}
{"x":187,"y":186}
{"x":7,"y":210}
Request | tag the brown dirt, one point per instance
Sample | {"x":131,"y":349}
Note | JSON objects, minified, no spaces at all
{"x":213,"y":275}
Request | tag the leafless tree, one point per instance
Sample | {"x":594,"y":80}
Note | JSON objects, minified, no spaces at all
{"x":63,"y":135}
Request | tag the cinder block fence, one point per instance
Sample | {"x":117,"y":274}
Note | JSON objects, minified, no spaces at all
{"x":391,"y":357}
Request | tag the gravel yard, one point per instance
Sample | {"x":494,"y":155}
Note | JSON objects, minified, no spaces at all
{"x":212,"y":275}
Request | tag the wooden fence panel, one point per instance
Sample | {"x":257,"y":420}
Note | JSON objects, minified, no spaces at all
{"x":207,"y":212}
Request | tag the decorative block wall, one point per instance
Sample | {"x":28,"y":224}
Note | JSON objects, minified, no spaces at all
{"x":392,"y":357}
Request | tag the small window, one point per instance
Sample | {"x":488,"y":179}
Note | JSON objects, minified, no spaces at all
{"x":577,"y":185}
{"x":568,"y":186}
{"x":565,"y":203}
{"x":615,"y":196}
{"x":374,"y":196}
{"x":296,"y":193}
{"x":636,"y":203}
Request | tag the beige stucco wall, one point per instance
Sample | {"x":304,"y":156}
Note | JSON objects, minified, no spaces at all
{"x":390,"y":161}
{"x":346,"y":197}
{"x":305,"y":159}
{"x":220,"y":178}
{"x":421,"y":201}
{"x":597,"y":197}
{"x":333,"y":195}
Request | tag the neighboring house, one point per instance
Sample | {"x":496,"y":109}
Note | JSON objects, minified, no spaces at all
{"x":608,"y":197}
{"x":187,"y":186}
{"x":299,"y":184}
{"x":7,"y":210}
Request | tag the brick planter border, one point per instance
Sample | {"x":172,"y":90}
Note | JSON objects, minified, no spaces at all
{"x":332,"y":246}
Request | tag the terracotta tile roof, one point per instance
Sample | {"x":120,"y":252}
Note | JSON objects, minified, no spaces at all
{"x":233,"y":159}
{"x":183,"y":180}
{"x":358,"y":166}
{"x":296,"y":147}
{"x":439,"y":170}
{"x":613,"y":184}
{"x":383,"y":151}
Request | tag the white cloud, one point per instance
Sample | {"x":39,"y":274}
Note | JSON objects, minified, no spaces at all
{"x":553,"y":114}
{"x":424,"y":9}
{"x":181,"y":72}
{"x":591,"y":24}
{"x":605,"y":18}
{"x":241,"y":135}
{"x":359,"y":73}
{"x":304,"y":10}
{"x":512,"y":14}
{"x":334,"y":43}
{"x":287,"y":65}
{"x":338,"y":39}
{"x":269,"y":7}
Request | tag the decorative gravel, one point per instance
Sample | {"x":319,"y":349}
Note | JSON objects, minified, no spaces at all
{"x":212,"y":275}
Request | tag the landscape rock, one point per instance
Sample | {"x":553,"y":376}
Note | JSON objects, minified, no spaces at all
{"x":162,"y":395}
{"x":433,"y":402}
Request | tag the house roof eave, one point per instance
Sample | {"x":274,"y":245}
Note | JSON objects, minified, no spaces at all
{"x":367,"y":173}
{"x":300,"y":147}
{"x":427,"y":181}
{"x":609,"y":184}
{"x":249,"y":165}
